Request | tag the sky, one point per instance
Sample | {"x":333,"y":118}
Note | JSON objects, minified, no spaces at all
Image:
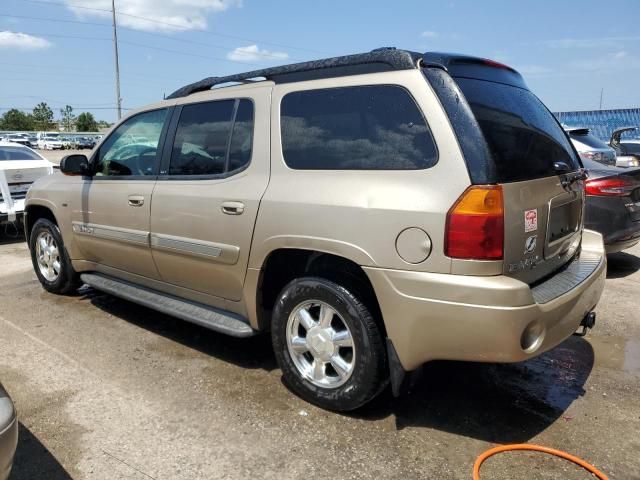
{"x":61,"y":51}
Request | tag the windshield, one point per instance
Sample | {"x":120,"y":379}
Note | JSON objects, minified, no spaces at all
{"x":17,"y":153}
{"x":589,"y":140}
{"x":524,"y":138}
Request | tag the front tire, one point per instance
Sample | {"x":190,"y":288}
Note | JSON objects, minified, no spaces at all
{"x":328,"y":344}
{"x":50,"y":260}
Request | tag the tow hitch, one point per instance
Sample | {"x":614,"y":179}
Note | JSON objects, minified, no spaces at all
{"x":587,"y":323}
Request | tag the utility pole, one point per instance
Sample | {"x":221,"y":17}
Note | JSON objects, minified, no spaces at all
{"x":601,"y":93}
{"x":115,"y":49}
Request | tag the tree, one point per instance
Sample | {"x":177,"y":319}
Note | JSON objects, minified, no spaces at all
{"x":42,"y":117}
{"x":15,"y":119}
{"x":86,"y":123}
{"x":104,"y":124}
{"x":67,"y":118}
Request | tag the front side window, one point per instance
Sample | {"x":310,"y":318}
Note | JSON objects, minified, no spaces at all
{"x":132,"y":148}
{"x":213,"y":138}
{"x":377,"y":127}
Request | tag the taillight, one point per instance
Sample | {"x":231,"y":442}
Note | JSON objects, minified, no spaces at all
{"x":475,"y":224}
{"x":610,"y":187}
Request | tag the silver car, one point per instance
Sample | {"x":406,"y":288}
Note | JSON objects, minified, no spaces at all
{"x":8,"y":433}
{"x":590,"y":147}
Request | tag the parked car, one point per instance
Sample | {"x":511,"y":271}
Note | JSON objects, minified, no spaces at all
{"x":590,"y":147}
{"x":20,"y":166}
{"x":50,"y":142}
{"x":613,"y":204}
{"x":85,"y":142}
{"x":628,"y":153}
{"x":8,"y":433}
{"x":18,"y":138}
{"x":373,"y":212}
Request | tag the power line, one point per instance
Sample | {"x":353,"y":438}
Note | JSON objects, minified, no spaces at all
{"x":159,"y":35}
{"x":173,"y":25}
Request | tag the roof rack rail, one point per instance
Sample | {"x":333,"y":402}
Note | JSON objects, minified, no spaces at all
{"x":378,"y":60}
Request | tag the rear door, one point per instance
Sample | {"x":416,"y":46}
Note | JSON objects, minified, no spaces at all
{"x":215,"y":171}
{"x":539,"y":172}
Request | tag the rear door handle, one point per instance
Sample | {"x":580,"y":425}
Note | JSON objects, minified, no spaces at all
{"x":136,"y":200}
{"x":233,"y":208}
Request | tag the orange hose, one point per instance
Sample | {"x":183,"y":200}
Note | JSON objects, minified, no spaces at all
{"x":537,"y":448}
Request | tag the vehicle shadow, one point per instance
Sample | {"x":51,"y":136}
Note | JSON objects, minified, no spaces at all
{"x":253,"y":352}
{"x":498,"y":403}
{"x":33,"y":461}
{"x":8,"y":235}
{"x":622,"y":264}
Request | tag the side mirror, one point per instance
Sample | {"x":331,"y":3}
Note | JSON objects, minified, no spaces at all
{"x":75,"y":165}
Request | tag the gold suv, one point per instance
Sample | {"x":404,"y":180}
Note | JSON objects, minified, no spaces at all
{"x":372,"y":212}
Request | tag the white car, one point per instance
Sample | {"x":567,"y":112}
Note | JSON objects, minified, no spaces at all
{"x":19,"y":168}
{"x":50,"y":143}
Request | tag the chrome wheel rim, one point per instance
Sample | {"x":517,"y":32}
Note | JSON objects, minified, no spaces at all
{"x":48,"y":256}
{"x":320,"y":344}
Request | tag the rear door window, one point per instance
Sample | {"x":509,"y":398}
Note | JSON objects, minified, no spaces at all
{"x":523,"y":137}
{"x":212,"y":138}
{"x":377,"y":127}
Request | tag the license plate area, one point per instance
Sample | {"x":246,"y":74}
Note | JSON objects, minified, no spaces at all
{"x":564,"y":224}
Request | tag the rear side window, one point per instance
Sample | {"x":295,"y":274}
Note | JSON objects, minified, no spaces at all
{"x":523,"y":137}
{"x":212,"y":138}
{"x":376,"y":127}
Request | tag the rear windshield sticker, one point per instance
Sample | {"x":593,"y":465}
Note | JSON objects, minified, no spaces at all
{"x":531,"y":220}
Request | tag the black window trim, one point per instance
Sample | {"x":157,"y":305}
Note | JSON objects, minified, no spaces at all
{"x":171,"y":135}
{"x":161,"y":142}
{"x":397,"y":85}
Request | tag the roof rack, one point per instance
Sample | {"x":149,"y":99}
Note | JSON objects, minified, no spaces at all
{"x":378,"y":60}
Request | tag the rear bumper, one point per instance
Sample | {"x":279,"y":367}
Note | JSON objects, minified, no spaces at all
{"x":486,"y":319}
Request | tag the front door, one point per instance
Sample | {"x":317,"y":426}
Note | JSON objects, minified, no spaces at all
{"x":206,"y":199}
{"x":111,"y":218}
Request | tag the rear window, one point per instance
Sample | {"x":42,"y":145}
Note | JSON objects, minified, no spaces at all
{"x":523,"y":137}
{"x":376,"y":127}
{"x":17,"y":153}
{"x":589,"y":140}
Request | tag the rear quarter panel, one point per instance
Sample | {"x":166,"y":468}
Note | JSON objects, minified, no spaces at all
{"x":359,"y":214}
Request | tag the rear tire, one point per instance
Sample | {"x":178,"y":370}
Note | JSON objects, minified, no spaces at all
{"x":50,"y":260}
{"x":328,"y":345}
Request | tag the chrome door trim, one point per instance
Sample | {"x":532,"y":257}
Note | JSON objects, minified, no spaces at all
{"x":217,"y":252}
{"x":126,"y":235}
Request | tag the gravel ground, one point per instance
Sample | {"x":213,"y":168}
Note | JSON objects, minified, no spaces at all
{"x":106,"y":389}
{"x":56,"y":155}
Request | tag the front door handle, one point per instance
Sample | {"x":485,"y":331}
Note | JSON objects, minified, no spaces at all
{"x":233,"y":208}
{"x":136,"y":200}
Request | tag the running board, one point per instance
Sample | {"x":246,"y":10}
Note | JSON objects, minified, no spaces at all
{"x":203,"y":315}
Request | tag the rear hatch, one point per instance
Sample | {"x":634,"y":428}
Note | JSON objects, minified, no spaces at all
{"x":20,"y":174}
{"x":519,"y":145}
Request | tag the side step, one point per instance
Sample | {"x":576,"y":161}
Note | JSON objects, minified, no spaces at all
{"x":203,"y":315}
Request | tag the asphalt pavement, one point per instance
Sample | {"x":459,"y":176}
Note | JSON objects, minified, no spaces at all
{"x":106,"y":389}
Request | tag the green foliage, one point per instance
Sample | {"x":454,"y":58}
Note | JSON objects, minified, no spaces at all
{"x":15,"y":119}
{"x":67,"y":118}
{"x":86,"y":123}
{"x":42,"y":117}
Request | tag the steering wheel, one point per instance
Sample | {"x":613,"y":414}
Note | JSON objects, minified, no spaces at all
{"x":139,"y":160}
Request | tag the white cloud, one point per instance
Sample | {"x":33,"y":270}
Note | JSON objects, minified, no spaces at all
{"x":429,"y":34}
{"x":252,"y":53}
{"x":618,"y":61}
{"x":153,"y":15}
{"x":22,"y":41}
{"x":600,"y":42}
